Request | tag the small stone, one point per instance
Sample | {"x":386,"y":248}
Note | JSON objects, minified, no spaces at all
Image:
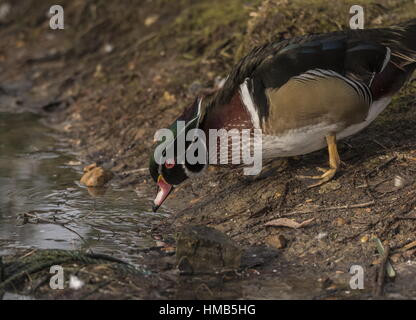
{"x":277,"y":241}
{"x":108,"y":48}
{"x":340,"y":222}
{"x":330,"y":186}
{"x":151,"y":20}
{"x":322,"y":235}
{"x":200,"y":249}
{"x":95,"y":176}
{"x":364,"y":239}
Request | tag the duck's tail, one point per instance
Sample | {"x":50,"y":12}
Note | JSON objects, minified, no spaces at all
{"x":410,"y":34}
{"x":401,"y":39}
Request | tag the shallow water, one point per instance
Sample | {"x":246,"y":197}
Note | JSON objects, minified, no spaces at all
{"x":39,"y":176}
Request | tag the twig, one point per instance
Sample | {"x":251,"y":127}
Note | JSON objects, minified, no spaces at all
{"x":49,"y":221}
{"x":283,"y":196}
{"x":368,"y":185}
{"x":28,"y":254}
{"x":145,"y":39}
{"x":145,"y":170}
{"x":347,"y":206}
{"x":260,"y":212}
{"x":380,"y":144}
{"x":84,"y":217}
{"x":379,"y":288}
{"x":384,"y":164}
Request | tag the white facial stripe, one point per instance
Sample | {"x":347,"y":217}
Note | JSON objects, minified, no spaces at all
{"x":249,"y":104}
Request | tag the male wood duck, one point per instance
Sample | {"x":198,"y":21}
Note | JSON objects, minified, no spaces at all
{"x":304,"y":93}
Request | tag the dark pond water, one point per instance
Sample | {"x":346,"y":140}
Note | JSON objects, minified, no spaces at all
{"x":40,"y":176}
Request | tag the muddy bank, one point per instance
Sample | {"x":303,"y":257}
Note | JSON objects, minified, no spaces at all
{"x":116,"y":74}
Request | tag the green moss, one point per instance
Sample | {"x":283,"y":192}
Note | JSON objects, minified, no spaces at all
{"x":206,"y":27}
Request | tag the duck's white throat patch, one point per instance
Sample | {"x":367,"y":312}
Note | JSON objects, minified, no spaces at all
{"x":248,"y":102}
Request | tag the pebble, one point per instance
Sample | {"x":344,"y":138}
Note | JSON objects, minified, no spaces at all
{"x":340,"y":222}
{"x":95,"y":176}
{"x":151,"y":20}
{"x":322,"y":235}
{"x":277,"y":241}
{"x":329,"y":187}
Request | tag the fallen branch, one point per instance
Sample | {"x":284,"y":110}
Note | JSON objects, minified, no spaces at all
{"x":284,"y":222}
{"x":50,"y":221}
{"x":144,"y":170}
{"x":347,"y":206}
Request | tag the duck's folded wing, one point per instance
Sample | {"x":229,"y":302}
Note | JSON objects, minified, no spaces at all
{"x":352,"y":58}
{"x":341,"y":54}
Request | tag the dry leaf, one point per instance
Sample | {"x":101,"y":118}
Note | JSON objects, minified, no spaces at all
{"x":285,"y":222}
{"x":151,"y":20}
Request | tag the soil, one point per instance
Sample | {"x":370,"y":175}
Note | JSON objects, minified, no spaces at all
{"x":121,"y":70}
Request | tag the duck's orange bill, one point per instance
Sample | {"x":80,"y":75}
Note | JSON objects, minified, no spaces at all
{"x":164,"y":190}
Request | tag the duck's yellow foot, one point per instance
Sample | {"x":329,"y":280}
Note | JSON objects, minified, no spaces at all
{"x":327,"y":175}
{"x":334,"y":163}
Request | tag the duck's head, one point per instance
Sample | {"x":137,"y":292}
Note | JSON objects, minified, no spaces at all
{"x":168,"y":164}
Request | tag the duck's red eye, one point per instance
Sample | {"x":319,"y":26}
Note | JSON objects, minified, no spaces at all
{"x":170,"y":163}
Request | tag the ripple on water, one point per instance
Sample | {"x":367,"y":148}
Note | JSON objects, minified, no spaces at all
{"x":35,"y":178}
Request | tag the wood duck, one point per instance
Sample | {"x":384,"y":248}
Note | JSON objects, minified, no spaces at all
{"x":304,"y":93}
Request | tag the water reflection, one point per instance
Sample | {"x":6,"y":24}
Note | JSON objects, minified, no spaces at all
{"x":36,"y":177}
